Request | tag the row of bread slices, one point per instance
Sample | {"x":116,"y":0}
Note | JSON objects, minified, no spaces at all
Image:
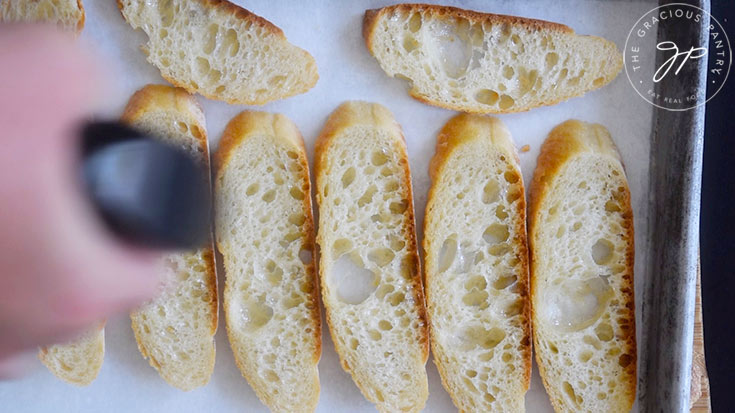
{"x":473,"y":304}
{"x":453,"y":58}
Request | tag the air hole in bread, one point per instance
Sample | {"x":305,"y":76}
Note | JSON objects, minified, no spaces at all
{"x":511,"y":177}
{"x":476,"y":298}
{"x":604,"y":332}
{"x":354,"y":343}
{"x":384,"y":290}
{"x":551,"y":59}
{"x":354,"y":283}
{"x":480,"y":337}
{"x":506,"y":102}
{"x":601,"y":251}
{"x":414,"y":22}
{"x":496,"y":233}
{"x":598,"y":82}
{"x":166,"y":11}
{"x":585,"y":356}
{"x":210,"y":41}
{"x":569,"y":391}
{"x":487,"y":97}
{"x":305,"y":256}
{"x":577,"y":225}
{"x":379,"y":158}
{"x":254,"y":312}
{"x":348,"y":177}
{"x":449,"y":46}
{"x":398,"y":207}
{"x":274,"y":274}
{"x":476,"y":282}
{"x":202,"y":66}
{"x":498,"y":250}
{"x":576,"y":304}
{"x":375,"y":335}
{"x":367,"y":196}
{"x":513,"y":308}
{"x":296,"y":193}
{"x":612,"y":206}
{"x":385,"y":325}
{"x":410,"y":44}
{"x":504,"y":281}
{"x":231,"y":43}
{"x":165,"y":62}
{"x":396,"y":299}
{"x":269,"y":196}
{"x":183,"y":127}
{"x":381,"y":256}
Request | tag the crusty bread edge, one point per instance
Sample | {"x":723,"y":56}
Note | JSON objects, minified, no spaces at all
{"x":372,"y":17}
{"x":248,"y":16}
{"x":344,"y":117}
{"x":43,"y":356}
{"x":562,"y":145}
{"x":80,"y":22}
{"x":458,"y":130}
{"x":238,"y":129}
{"x":170,"y":98}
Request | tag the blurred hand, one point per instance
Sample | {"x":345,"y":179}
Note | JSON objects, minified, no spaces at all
{"x":60,"y":270}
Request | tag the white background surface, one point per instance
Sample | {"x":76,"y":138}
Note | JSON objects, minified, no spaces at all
{"x":331,"y":32}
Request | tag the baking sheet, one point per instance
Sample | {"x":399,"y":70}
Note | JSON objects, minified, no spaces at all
{"x":331,"y":32}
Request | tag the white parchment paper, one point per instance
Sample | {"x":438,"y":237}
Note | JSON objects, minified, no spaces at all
{"x":332,"y":32}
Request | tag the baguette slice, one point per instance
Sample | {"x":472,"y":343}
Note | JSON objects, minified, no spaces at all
{"x":581,"y":242}
{"x":220,"y":50}
{"x":265,"y":232}
{"x":79,"y":361}
{"x":477,"y":266}
{"x":175,"y":331}
{"x":369,"y":265}
{"x":66,"y":14}
{"x":486,"y":63}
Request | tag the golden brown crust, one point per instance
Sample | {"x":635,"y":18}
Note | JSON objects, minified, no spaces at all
{"x":347,"y":115}
{"x":459,"y":130}
{"x":164,"y":97}
{"x":373,"y":16}
{"x":80,"y":23}
{"x":564,"y":144}
{"x":243,"y":126}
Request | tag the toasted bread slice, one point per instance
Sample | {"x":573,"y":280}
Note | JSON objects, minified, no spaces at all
{"x":175,"y":331}
{"x":265,"y":232}
{"x":486,"y":63}
{"x":477,"y":266}
{"x":220,"y":50}
{"x":369,"y":266}
{"x":66,"y":14}
{"x":79,"y":361}
{"x":581,"y":243}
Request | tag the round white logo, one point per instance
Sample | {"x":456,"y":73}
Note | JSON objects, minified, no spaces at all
{"x":644,"y":75}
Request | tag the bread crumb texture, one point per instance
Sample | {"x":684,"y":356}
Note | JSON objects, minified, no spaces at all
{"x":175,"y":331}
{"x":369,"y":264}
{"x":477,"y":267}
{"x":67,"y":14}
{"x":486,"y":63}
{"x":582,"y":254}
{"x":220,"y":50}
{"x":265,"y":233}
{"x":78,"y":361}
